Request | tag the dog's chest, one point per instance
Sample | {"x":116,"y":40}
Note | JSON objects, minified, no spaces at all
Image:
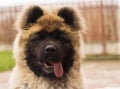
{"x":44,"y":85}
{"x":48,"y":86}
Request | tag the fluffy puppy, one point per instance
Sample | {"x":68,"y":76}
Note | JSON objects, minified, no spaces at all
{"x":47,"y":49}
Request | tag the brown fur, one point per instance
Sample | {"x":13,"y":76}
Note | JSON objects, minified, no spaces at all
{"x":22,"y":77}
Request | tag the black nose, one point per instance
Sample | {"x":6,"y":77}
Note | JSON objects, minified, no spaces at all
{"x":50,"y":49}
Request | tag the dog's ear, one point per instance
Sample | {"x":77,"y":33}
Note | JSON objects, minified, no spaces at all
{"x":70,"y":17}
{"x":29,"y":16}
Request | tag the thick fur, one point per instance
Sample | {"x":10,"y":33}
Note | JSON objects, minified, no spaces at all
{"x":34,"y":20}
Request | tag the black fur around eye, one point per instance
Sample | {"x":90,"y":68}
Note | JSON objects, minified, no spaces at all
{"x":61,"y":36}
{"x":55,"y":35}
{"x":39,"y":36}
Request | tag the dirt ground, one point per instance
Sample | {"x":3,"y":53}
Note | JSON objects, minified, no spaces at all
{"x":99,"y":75}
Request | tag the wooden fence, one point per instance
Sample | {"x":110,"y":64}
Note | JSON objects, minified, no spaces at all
{"x":101,"y":22}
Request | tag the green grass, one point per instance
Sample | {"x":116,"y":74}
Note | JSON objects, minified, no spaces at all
{"x":103,"y":57}
{"x":6,"y":61}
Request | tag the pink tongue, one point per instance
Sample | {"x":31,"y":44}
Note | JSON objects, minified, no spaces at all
{"x":58,"y":69}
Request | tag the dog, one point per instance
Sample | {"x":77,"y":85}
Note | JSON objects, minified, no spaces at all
{"x":47,"y":49}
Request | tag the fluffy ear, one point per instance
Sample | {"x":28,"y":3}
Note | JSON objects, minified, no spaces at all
{"x":70,"y":17}
{"x":29,"y":16}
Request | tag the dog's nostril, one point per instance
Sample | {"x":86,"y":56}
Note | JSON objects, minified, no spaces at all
{"x":50,"y":49}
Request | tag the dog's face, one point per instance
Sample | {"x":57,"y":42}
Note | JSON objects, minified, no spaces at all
{"x":50,"y":40}
{"x":49,"y":53}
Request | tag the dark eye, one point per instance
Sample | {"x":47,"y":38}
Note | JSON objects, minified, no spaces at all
{"x":42,"y":36}
{"x":60,"y":36}
{"x":65,"y":40}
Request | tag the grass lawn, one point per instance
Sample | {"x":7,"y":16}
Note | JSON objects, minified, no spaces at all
{"x":6,"y":61}
{"x":103,"y":57}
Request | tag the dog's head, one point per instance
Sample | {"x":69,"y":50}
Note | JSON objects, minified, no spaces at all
{"x":50,"y":41}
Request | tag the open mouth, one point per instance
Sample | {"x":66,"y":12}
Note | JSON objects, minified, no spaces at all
{"x":48,"y":65}
{"x":57,"y":67}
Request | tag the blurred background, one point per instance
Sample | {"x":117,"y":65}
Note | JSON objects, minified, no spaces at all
{"x":102,"y":47}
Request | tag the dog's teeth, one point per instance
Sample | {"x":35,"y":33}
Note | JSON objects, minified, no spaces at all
{"x":47,"y":66}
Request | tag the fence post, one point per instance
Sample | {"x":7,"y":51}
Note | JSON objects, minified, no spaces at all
{"x":118,"y":29}
{"x":103,"y":28}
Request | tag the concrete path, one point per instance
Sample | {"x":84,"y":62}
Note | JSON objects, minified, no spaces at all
{"x":4,"y":80}
{"x":99,"y":75}
{"x":102,"y":74}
